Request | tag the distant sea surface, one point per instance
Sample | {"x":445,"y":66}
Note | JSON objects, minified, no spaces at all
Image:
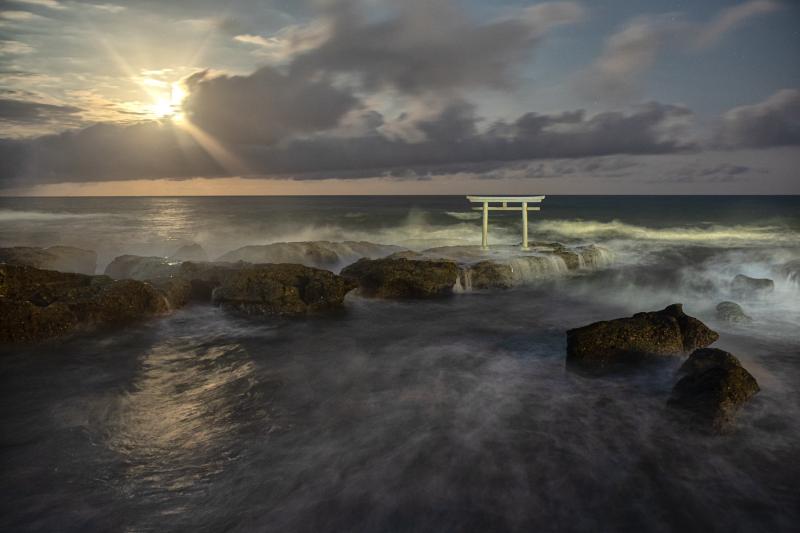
{"x":448,"y":415}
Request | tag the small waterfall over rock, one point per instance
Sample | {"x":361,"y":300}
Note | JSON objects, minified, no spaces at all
{"x":464,"y":280}
{"x":535,"y":267}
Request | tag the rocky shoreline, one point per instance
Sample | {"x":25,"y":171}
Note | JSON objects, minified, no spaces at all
{"x":47,"y":293}
{"x":53,"y":292}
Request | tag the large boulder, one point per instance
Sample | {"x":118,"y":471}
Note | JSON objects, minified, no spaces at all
{"x":141,"y":268}
{"x":714,"y":387}
{"x":282,"y":289}
{"x":189,"y":252}
{"x":732,"y":312}
{"x":609,"y":344}
{"x":40,"y":304}
{"x":403,"y":278}
{"x":319,"y":254}
{"x":60,"y":258}
{"x":747,"y":287}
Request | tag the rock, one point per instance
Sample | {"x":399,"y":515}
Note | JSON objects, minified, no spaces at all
{"x":570,"y":258}
{"x":714,"y":388}
{"x":487,"y":275}
{"x":189,"y":252}
{"x":747,"y":287}
{"x":282,"y":289}
{"x":319,"y":254}
{"x":40,"y":304}
{"x":178,"y":292}
{"x":60,"y":258}
{"x":732,"y":312}
{"x":141,"y":268}
{"x":608,"y":344}
{"x":403,"y":278}
{"x":205,"y":277}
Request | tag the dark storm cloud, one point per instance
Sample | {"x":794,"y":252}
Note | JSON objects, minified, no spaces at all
{"x":27,"y":112}
{"x":453,"y":142}
{"x":773,"y":122}
{"x":265,"y":106}
{"x":429,"y":44}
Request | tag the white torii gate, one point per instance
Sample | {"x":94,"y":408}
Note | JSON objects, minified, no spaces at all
{"x":505,"y":200}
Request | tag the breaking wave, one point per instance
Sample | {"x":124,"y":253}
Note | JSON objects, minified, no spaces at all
{"x":10,"y":215}
{"x":464,"y":216}
{"x":710,"y":233}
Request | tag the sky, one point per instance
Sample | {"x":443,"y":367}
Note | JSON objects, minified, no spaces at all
{"x":203,"y":97}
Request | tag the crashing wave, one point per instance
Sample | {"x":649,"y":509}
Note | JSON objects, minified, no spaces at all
{"x":590,"y":229}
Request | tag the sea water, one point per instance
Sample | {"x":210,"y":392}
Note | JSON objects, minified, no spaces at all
{"x":447,"y":415}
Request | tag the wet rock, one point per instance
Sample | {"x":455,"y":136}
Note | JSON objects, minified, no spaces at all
{"x":732,"y":312}
{"x":713,"y":389}
{"x":203,"y":278}
{"x":609,"y":344}
{"x":747,"y":287}
{"x":320,"y":254}
{"x":189,"y":252}
{"x":177,"y":291}
{"x":487,"y":275}
{"x":570,"y":258}
{"x":141,"y":268}
{"x":40,"y":304}
{"x":282,"y":289}
{"x":60,"y":258}
{"x":403,"y":278}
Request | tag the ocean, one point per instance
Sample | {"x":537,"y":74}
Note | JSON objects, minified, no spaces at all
{"x":445,"y":415}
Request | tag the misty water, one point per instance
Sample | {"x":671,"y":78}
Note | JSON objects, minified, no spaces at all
{"x":447,"y":415}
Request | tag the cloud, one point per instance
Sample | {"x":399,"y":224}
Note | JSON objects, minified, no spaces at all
{"x":773,"y":122}
{"x":52,"y":4}
{"x":452,"y":140}
{"x":731,"y":18}
{"x":265,"y":106}
{"x":429,"y":45}
{"x":18,"y":16}
{"x":284,"y":44}
{"x":14,"y":48}
{"x":26,"y":112}
{"x":615,"y":76}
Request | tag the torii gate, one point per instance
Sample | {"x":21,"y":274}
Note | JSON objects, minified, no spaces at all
{"x":505,"y":200}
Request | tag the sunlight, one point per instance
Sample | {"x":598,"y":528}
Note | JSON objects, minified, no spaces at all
{"x":171,"y":105}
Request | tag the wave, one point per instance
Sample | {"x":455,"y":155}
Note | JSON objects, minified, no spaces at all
{"x":739,"y":234}
{"x":464,"y":216}
{"x":11,"y":215}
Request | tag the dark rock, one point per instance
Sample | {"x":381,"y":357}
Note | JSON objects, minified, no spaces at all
{"x":732,"y":312}
{"x":714,"y":388}
{"x":177,"y":291}
{"x":608,"y":344}
{"x":60,"y":258}
{"x":282,"y":289}
{"x":189,"y":252}
{"x":487,"y":275}
{"x":745,"y":286}
{"x":205,"y":277}
{"x":403,"y":278}
{"x":141,"y":268}
{"x":40,"y":304}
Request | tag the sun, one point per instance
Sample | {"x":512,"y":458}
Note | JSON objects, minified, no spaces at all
{"x":170,"y":105}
